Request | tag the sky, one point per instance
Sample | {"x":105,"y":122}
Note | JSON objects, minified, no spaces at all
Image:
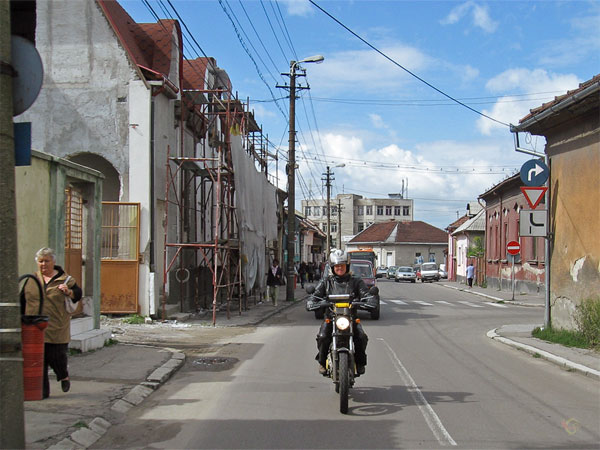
{"x":411,"y":94}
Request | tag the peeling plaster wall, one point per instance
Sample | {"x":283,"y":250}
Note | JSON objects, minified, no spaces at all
{"x":83,"y":104}
{"x":575,"y":221}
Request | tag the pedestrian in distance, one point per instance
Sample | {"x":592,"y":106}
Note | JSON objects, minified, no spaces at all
{"x":302,"y":273}
{"x":274,"y":280}
{"x":58,"y":287}
{"x":470,"y":274}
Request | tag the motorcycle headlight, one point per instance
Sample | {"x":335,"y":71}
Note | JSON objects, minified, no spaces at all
{"x":342,"y":323}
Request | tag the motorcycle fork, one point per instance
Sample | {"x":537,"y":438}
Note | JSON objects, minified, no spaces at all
{"x":335,"y":350}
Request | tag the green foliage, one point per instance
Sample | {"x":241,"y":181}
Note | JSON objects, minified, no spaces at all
{"x":588,"y":321}
{"x":568,"y":338}
{"x":476,"y":250}
{"x":134,"y":319}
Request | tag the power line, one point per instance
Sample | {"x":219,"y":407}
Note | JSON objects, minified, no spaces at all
{"x":406,"y":70}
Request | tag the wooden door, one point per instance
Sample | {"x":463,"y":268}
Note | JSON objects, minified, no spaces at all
{"x":120,"y":257}
{"x":74,"y":238}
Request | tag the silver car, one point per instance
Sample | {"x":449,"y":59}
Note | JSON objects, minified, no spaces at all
{"x":405,"y":273}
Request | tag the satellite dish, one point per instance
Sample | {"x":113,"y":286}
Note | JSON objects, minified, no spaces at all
{"x":27,"y":83}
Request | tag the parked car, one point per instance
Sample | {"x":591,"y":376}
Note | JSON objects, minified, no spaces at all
{"x":443,"y":273}
{"x":428,"y":272}
{"x":405,"y":273}
{"x":391,"y":272}
{"x":381,"y":272}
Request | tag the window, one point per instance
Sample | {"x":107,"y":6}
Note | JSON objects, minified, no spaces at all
{"x":406,"y":210}
{"x":380,"y":210}
{"x":334,"y":210}
{"x":334,"y":227}
{"x":388,"y":210}
{"x":307,"y":211}
{"x":317,"y":211}
{"x":361,"y":226}
{"x":324,"y":211}
{"x":361,"y":210}
{"x":397,"y":210}
{"x":324,"y":226}
{"x":369,"y":210}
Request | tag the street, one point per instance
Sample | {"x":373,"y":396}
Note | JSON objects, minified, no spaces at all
{"x":433,"y":380}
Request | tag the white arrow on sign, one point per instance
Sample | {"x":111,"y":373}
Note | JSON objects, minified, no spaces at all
{"x":536,"y":171}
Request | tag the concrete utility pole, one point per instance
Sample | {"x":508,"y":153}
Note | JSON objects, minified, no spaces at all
{"x":328,"y":179}
{"x":339,"y":230}
{"x":12,"y":422}
{"x":291,"y":173}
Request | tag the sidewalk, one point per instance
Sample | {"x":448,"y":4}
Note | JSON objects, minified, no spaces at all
{"x":586,"y":362}
{"x":107,"y":383}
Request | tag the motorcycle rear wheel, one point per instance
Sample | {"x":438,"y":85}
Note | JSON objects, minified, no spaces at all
{"x":344,"y":382}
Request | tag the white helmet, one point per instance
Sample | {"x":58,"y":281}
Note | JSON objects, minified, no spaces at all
{"x":338,"y":257}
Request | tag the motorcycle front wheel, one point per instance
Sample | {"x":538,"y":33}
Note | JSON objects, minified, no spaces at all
{"x":344,"y":382}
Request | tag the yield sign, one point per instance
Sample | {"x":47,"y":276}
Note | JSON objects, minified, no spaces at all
{"x":533,"y":194}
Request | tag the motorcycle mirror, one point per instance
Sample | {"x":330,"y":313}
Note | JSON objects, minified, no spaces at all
{"x":310,"y":290}
{"x":374,"y":290}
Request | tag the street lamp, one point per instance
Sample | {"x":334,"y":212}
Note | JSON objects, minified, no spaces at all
{"x":291,"y":167}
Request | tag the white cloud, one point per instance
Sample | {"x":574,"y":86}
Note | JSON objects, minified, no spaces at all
{"x":367,"y":70}
{"x":377,"y":121}
{"x":479,"y":14}
{"x":298,"y":7}
{"x":511,"y":109}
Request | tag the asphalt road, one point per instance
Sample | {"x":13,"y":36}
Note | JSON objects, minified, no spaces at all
{"x":433,"y":380}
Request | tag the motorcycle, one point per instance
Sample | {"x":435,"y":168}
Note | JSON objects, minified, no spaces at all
{"x":341,"y":367}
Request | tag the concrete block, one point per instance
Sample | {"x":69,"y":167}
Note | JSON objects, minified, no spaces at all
{"x":121,"y":406}
{"x":138,"y":394}
{"x":65,"y":444}
{"x":178,"y":355}
{"x":150,"y":384}
{"x":99,"y":425}
{"x":90,"y":340}
{"x":85,"y":437}
{"x":81,"y":325}
{"x":160,"y":375}
{"x":172,"y":363}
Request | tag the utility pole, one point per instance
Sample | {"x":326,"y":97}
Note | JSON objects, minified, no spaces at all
{"x":12,"y":421}
{"x":339,"y":230}
{"x":328,"y":179}
{"x":291,"y":172}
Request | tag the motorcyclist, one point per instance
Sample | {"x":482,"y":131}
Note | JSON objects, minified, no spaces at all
{"x":341,"y":281}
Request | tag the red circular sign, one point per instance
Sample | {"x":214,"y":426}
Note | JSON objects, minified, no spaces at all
{"x":513,"y":247}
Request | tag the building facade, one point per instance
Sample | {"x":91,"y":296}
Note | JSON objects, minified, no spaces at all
{"x":350,"y":214}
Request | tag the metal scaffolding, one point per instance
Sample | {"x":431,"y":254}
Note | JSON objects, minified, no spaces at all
{"x":201,"y":188}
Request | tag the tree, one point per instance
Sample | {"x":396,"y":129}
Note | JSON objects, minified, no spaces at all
{"x":476,"y":249}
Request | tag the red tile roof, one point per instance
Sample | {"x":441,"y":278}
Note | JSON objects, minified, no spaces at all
{"x":457,"y":223}
{"x":194,"y":72}
{"x":150,"y":45}
{"x":416,"y":231}
{"x":560,"y":98}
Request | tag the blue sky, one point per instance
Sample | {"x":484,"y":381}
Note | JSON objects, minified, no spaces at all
{"x":501,"y":58}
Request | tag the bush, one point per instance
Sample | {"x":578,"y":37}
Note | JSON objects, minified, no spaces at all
{"x":588,"y":321}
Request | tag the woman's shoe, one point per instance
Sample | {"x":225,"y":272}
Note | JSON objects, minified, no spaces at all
{"x":65,"y":385}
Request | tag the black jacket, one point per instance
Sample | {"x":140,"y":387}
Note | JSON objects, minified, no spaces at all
{"x":346,"y":284}
{"x":274,"y":280}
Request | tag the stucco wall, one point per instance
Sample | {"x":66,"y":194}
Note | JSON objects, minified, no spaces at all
{"x":575,"y":260}
{"x":33,"y":221}
{"x":83,"y":104}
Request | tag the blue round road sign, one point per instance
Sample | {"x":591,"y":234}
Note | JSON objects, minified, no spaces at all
{"x":534,"y":172}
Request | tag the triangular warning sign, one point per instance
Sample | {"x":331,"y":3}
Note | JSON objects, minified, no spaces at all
{"x":533,"y":194}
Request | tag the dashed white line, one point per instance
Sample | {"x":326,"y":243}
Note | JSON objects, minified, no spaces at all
{"x":472,"y":305}
{"x":432,"y":419}
{"x":399,"y":302}
{"x":420,"y":302}
{"x":445,"y":303}
{"x":497,"y":305}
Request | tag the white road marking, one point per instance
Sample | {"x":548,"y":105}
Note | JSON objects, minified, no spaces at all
{"x":423,"y":303}
{"x":445,"y":303}
{"x":381,"y":302}
{"x":473,"y":305}
{"x":399,"y":302}
{"x":432,"y":419}
{"x":497,"y":305}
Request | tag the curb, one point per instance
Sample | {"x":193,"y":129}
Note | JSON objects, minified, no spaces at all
{"x":558,"y":360}
{"x":87,"y":436}
{"x":495,"y":299}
